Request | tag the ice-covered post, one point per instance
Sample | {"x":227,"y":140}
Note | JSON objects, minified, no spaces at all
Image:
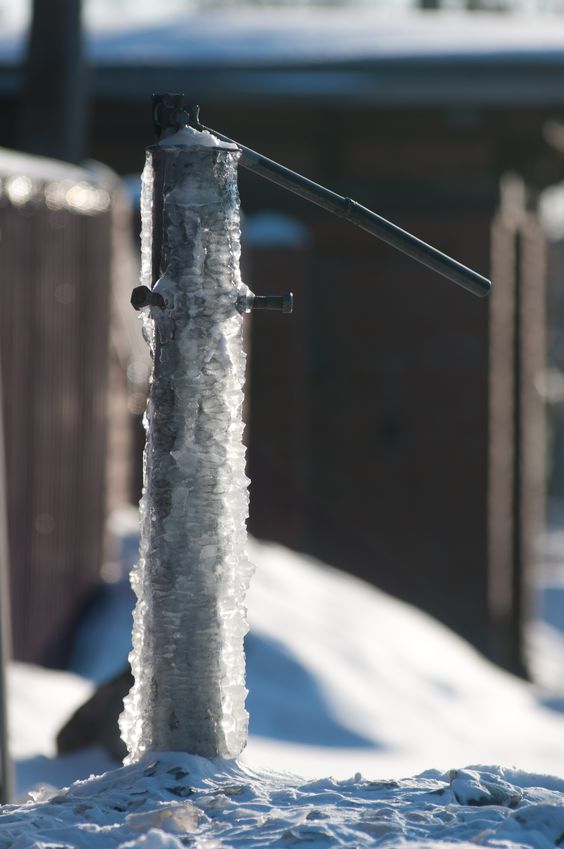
{"x":191,"y":579}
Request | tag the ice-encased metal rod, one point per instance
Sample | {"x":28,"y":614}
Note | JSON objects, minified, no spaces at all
{"x":364,"y":218}
{"x":191,"y":579}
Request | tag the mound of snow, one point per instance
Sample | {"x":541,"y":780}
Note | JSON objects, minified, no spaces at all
{"x":418,"y":694}
{"x":39,"y":702}
{"x":341,"y":678}
{"x":169,"y":801}
{"x":344,"y":680}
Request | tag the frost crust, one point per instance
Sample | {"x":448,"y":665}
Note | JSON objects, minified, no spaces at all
{"x":193,"y":573}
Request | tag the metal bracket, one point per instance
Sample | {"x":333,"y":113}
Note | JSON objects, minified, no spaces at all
{"x":171,"y":112}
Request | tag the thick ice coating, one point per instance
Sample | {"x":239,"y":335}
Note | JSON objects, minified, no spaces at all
{"x":192,"y":576}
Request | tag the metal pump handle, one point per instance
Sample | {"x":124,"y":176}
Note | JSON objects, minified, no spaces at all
{"x":172,"y":110}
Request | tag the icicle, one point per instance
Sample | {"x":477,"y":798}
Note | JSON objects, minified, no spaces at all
{"x":192,"y":576}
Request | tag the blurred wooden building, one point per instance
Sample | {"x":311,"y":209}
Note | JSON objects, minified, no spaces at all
{"x":57,"y":254}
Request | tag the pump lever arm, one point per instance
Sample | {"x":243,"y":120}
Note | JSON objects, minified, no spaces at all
{"x":359,"y":215}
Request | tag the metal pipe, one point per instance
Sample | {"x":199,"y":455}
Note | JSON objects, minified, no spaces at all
{"x":364,"y":218}
{"x":171,"y":111}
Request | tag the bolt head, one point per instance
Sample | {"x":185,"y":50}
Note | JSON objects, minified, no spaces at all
{"x":140,"y":297}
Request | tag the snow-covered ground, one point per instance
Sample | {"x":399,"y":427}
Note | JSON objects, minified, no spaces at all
{"x":344,"y":682}
{"x":172,"y":800}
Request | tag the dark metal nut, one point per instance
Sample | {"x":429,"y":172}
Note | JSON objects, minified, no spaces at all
{"x":142,"y":297}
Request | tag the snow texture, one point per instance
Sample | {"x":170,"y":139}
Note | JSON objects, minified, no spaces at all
{"x":169,"y":801}
{"x":379,"y":666}
{"x":344,"y":678}
{"x":193,"y":573}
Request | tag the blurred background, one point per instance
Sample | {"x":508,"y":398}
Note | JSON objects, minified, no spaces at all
{"x":398,"y":428}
